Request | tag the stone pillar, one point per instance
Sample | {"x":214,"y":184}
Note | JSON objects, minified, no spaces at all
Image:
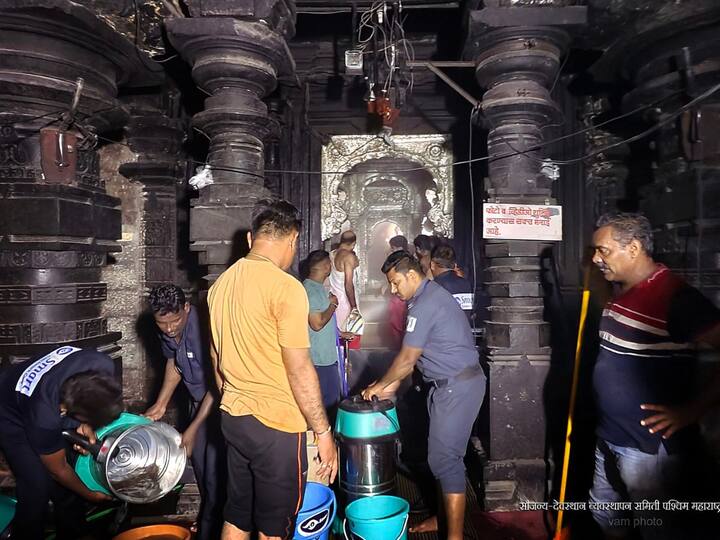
{"x":668,"y":67}
{"x":606,"y":172}
{"x":149,"y":241}
{"x":517,"y":65}
{"x":237,"y":51}
{"x":57,"y":223}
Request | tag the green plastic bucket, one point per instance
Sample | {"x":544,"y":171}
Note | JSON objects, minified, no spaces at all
{"x":7,"y":511}
{"x":383,"y":517}
{"x":85,"y":465}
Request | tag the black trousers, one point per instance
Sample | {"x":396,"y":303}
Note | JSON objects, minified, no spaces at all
{"x":34,"y":489}
{"x":209,"y":465}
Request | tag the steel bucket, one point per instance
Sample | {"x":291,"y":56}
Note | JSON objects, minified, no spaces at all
{"x":367,"y":436}
{"x":367,"y":467}
{"x":139,"y":464}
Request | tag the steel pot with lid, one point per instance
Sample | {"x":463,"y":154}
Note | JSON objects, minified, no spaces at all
{"x":367,"y":433}
{"x":136,"y":460}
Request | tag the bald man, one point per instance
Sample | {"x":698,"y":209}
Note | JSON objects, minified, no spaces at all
{"x":344,"y":280}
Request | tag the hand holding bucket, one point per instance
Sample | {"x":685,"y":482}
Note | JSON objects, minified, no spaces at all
{"x":317,"y":513}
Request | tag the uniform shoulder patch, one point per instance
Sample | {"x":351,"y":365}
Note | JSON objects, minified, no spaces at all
{"x":410,"y":324}
{"x":30,"y":378}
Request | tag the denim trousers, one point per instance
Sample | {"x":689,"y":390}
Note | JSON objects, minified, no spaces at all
{"x":630,"y":487}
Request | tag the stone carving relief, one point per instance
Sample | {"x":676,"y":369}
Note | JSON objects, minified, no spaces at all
{"x":344,"y":152}
{"x":385,"y":195}
{"x":51,"y":259}
{"x":437,"y":215}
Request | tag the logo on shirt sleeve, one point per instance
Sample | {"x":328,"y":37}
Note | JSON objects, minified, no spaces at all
{"x":410,"y":324}
{"x":30,"y":378}
{"x":464,"y":300}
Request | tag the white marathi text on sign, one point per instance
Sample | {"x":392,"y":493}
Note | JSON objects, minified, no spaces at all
{"x":522,"y":221}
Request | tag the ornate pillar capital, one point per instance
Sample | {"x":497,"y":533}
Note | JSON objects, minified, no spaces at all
{"x":228,"y":53}
{"x":276,"y":14}
{"x":156,"y":139}
{"x":52,"y":43}
{"x":237,"y":62}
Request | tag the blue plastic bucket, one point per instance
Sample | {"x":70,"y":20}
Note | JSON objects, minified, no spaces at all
{"x":316,"y":514}
{"x":383,"y":517}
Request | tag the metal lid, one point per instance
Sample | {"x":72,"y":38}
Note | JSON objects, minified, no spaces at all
{"x":145,"y":463}
{"x":357,"y":404}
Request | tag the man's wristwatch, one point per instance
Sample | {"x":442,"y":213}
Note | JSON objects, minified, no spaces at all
{"x":328,"y":430}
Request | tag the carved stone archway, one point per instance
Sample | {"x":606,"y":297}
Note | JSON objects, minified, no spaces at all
{"x":344,"y":152}
{"x":373,"y":196}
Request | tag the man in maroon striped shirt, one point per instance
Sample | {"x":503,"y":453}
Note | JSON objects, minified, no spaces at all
{"x":644,"y":382}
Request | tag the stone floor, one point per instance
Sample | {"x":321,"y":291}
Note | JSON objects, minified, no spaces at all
{"x":408,"y":490}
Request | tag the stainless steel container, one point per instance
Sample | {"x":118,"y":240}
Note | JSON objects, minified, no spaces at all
{"x":144,"y":463}
{"x":367,"y":434}
{"x":138,"y":464}
{"x":367,"y":467}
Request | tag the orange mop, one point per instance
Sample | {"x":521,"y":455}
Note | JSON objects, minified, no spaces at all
{"x":560,"y":533}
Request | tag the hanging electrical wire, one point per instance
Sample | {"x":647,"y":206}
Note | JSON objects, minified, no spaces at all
{"x":381,"y":39}
{"x":670,"y":117}
{"x":667,"y":119}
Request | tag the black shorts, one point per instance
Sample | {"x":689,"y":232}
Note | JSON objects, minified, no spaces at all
{"x":267,"y":470}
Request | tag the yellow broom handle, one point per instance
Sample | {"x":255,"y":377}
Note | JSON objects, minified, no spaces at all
{"x":573,"y":395}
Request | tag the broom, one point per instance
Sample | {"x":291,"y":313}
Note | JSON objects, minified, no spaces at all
{"x":560,"y":533}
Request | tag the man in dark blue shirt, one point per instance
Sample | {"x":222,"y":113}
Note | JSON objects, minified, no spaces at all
{"x":187,"y":361}
{"x":439,"y":339}
{"x":68,"y":388}
{"x":443,"y":267}
{"x":648,"y":446}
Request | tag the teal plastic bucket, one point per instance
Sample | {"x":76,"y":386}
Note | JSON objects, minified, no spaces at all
{"x":7,"y":511}
{"x":383,"y":517}
{"x":361,"y":419}
{"x":316,"y":514}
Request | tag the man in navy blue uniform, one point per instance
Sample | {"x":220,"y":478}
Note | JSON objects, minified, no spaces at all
{"x":187,"y":361}
{"x":439,"y":339}
{"x":68,"y":388}
{"x":443,"y":266}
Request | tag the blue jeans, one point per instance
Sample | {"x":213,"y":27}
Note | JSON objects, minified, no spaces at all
{"x":627,"y":475}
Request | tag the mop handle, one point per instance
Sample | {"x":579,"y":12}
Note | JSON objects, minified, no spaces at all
{"x":573,"y":396}
{"x":346,"y":367}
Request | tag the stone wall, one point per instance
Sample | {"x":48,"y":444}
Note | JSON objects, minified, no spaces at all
{"x":124,"y":277}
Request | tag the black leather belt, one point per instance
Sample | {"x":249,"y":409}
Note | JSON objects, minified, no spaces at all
{"x":467,"y":373}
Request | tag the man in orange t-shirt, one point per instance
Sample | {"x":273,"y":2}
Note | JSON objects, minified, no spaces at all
{"x":270,"y":390}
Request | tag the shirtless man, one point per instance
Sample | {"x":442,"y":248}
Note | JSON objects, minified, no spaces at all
{"x":343,"y":280}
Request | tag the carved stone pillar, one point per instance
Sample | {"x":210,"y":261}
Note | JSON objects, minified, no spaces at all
{"x":606,"y":172}
{"x":517,"y":65}
{"x":666,"y":66}
{"x":273,"y":151}
{"x":236,"y":61}
{"x":149,"y":237}
{"x":57,"y":223}
{"x":156,"y":139}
